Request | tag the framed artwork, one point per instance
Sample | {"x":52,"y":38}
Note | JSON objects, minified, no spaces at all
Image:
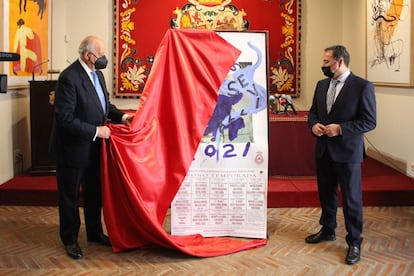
{"x":390,"y":42}
{"x":26,"y":32}
{"x":140,"y":25}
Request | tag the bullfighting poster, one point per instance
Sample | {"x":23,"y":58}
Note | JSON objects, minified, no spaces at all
{"x":225,"y":190}
{"x":28,"y":36}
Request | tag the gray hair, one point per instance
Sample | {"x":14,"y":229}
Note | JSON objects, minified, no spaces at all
{"x":87,"y":44}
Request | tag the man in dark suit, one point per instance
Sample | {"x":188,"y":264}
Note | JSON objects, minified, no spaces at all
{"x":343,"y":109}
{"x":81,"y":111}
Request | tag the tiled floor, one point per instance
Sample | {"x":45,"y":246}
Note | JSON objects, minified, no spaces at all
{"x":30,"y":245}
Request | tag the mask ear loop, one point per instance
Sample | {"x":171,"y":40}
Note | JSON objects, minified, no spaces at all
{"x":89,"y":57}
{"x":91,"y":53}
{"x":337,"y":62}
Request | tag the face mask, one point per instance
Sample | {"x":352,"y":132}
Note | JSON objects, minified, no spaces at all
{"x":101,"y":62}
{"x":327,"y":71}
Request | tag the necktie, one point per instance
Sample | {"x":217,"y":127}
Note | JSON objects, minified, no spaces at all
{"x":330,"y":97}
{"x":99,"y":90}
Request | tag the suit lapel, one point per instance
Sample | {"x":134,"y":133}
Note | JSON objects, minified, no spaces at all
{"x":325,"y":87}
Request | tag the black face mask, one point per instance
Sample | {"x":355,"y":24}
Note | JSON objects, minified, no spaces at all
{"x":101,"y":62}
{"x":327,"y":71}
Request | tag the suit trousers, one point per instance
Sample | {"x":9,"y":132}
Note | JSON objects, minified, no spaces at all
{"x":69,"y":181}
{"x":348,"y":176}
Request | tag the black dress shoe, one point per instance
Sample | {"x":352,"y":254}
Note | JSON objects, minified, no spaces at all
{"x":102,"y":239}
{"x":353,"y":256}
{"x":73,"y":251}
{"x":321,"y":236}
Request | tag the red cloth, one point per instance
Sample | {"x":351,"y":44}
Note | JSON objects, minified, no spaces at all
{"x":145,"y":164}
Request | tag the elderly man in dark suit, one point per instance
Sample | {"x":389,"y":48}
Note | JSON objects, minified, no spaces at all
{"x":343,"y":109}
{"x":81,"y":110}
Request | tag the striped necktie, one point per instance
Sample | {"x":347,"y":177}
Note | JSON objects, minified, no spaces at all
{"x":99,"y":90}
{"x":330,"y":97}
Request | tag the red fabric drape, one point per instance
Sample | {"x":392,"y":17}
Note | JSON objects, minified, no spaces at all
{"x":145,"y":164}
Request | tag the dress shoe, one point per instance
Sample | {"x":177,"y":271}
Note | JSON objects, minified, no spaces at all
{"x":102,"y":239}
{"x":353,"y":256}
{"x":73,"y":251}
{"x":321,"y":236}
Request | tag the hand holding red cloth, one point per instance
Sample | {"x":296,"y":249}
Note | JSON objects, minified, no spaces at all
{"x":145,"y":164}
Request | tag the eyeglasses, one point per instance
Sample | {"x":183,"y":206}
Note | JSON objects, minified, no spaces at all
{"x":95,"y":55}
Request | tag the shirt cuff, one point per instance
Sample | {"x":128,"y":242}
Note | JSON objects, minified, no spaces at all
{"x":96,"y":134}
{"x":124,"y":118}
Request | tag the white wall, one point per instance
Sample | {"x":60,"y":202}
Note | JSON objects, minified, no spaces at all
{"x":321,"y":27}
{"x":6,"y":160}
{"x":395,"y":132}
{"x":76,"y":19}
{"x":70,"y":22}
{"x":327,"y":22}
{"x":324,"y":22}
{"x":14,"y":133}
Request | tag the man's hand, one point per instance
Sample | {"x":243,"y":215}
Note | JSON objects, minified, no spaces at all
{"x":332,"y":130}
{"x":127,"y":119}
{"x":318,"y":129}
{"x":103,"y":132}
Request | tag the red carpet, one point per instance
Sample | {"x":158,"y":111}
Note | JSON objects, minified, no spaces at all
{"x":382,"y":186}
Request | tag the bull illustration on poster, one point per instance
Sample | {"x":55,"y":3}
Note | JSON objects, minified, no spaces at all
{"x":225,"y":190}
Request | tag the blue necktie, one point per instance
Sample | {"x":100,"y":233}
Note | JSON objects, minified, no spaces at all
{"x":99,"y":90}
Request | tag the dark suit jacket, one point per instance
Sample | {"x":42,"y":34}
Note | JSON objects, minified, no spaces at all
{"x":77,"y":114}
{"x":354,"y":109}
